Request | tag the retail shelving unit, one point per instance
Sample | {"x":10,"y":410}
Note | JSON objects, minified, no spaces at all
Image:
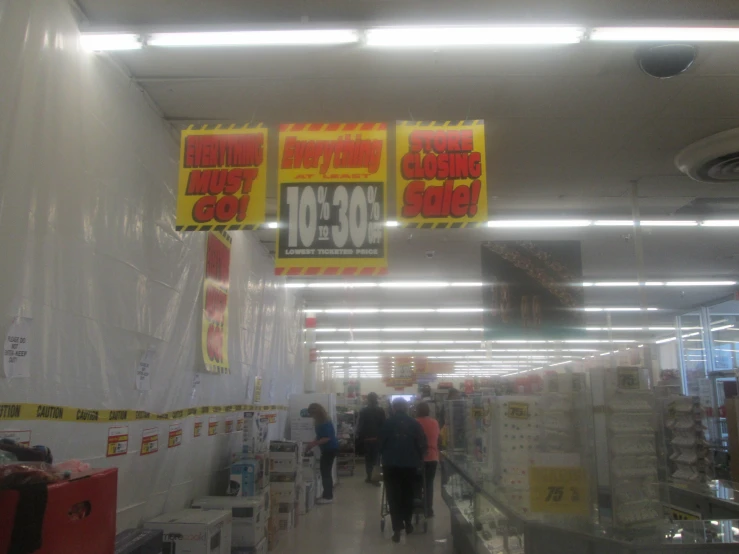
{"x":346,"y":434}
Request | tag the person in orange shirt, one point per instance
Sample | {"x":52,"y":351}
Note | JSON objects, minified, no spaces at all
{"x":431,"y":458}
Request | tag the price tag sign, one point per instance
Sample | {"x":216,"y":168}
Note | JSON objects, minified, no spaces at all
{"x":517,"y":410}
{"x":628,"y":377}
{"x":558,"y":490}
{"x":150,"y":441}
{"x":117,"y":441}
{"x":212,"y":426}
{"x":332,"y":199}
{"x":240,"y":424}
{"x":175,"y":435}
{"x":229,"y":425}
{"x":198,"y":427}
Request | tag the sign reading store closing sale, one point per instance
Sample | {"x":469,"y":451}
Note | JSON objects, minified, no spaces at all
{"x":332,"y":181}
{"x":440,"y":179}
{"x":223,"y":178}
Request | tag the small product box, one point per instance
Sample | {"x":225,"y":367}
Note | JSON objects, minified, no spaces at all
{"x":195,"y":531}
{"x":306,"y":497}
{"x":249,"y":524}
{"x":247,"y":478}
{"x":256,"y":430}
{"x":283,"y":462}
{"x":139,"y":541}
{"x":285,"y":521}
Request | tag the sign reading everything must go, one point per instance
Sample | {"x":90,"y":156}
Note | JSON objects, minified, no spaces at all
{"x":223,"y":181}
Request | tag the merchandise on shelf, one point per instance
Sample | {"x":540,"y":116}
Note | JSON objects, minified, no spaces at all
{"x":346,"y":434}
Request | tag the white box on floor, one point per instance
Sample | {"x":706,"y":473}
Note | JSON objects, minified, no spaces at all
{"x":283,"y":462}
{"x":306,"y":497}
{"x":286,"y":521}
{"x":249,"y":524}
{"x":261,"y":548}
{"x":195,"y":531}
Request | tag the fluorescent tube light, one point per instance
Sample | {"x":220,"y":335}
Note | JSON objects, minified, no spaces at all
{"x":538,"y":223}
{"x":302,"y":37}
{"x":700,"y":283}
{"x":663,"y":341}
{"x":273,"y":225}
{"x":427,"y":36}
{"x":613,"y":223}
{"x":392,"y":224}
{"x":100,"y":42}
{"x":668,"y":223}
{"x":665,"y":34}
{"x":721,"y":223}
{"x":620,"y":309}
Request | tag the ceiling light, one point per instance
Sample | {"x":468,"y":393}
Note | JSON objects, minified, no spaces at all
{"x":621,"y":309}
{"x":668,"y":223}
{"x":256,"y":38}
{"x":99,"y":42}
{"x":701,"y":283}
{"x":273,"y":225}
{"x":392,"y":224}
{"x":721,"y":223}
{"x":385,"y":284}
{"x":538,"y":223}
{"x":665,"y":34}
{"x":395,"y":310}
{"x":614,"y":223}
{"x":415,"y":284}
{"x":472,"y":36}
{"x":617,"y":284}
{"x":666,"y":340}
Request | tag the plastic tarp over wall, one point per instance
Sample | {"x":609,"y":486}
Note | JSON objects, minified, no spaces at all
{"x":89,"y":253}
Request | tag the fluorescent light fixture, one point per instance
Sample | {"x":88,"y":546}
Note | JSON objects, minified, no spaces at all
{"x":668,"y":223}
{"x":613,"y":223}
{"x":273,"y":225}
{"x":304,"y":37}
{"x":617,"y":284}
{"x":467,"y":284}
{"x":385,"y":284}
{"x":392,"y":224}
{"x":700,"y":283}
{"x":560,"y":363}
{"x":415,"y":284}
{"x":100,"y":42}
{"x":721,"y":223}
{"x":621,"y":309}
{"x":396,"y":310}
{"x":538,"y":223}
{"x":440,"y":36}
{"x":663,"y":341}
{"x":630,"y":329}
{"x":665,"y":34}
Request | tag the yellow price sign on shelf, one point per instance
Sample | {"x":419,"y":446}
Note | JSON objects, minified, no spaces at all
{"x":518,"y":410}
{"x":558,"y":490}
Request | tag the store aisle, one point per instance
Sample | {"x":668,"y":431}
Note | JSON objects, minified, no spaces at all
{"x":351,"y":525}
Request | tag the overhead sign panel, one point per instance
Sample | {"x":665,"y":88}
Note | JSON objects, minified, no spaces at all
{"x":533,"y":289}
{"x":440,"y":177}
{"x":332,"y":193}
{"x":223,"y":178}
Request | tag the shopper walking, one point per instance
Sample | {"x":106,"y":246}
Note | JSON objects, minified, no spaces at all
{"x":402,"y":447}
{"x":431,"y":458}
{"x":371,"y":420}
{"x":326,"y":440}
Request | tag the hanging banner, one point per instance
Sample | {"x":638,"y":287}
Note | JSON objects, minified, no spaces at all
{"x":331,"y":199}
{"x":403,"y":373}
{"x":440,"y":178}
{"x":533,"y":290}
{"x":223,"y":178}
{"x":215,"y":302}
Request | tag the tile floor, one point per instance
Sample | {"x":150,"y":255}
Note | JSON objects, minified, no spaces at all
{"x":351,"y":525}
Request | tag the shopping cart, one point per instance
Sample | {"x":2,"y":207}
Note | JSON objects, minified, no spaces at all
{"x":419,"y":502}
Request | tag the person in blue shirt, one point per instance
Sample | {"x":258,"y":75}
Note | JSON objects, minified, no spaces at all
{"x":402,"y":447}
{"x":328,"y":443}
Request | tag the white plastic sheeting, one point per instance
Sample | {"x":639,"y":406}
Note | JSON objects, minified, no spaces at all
{"x":88,"y":251}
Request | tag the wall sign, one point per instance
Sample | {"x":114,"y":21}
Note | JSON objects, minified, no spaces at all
{"x":215,"y":302}
{"x":332,"y":192}
{"x":223,"y":178}
{"x":440,"y":177}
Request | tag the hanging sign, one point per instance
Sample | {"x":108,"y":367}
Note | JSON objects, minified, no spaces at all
{"x":223,"y":178}
{"x":403,"y":373}
{"x":331,"y":199}
{"x":440,"y":178}
{"x":530,"y":291}
{"x":215,"y":302}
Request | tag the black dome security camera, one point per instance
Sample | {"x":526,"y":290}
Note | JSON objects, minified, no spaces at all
{"x":666,"y":60}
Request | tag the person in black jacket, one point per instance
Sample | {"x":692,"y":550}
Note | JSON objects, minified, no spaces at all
{"x":402,"y":446}
{"x":371,"y":419}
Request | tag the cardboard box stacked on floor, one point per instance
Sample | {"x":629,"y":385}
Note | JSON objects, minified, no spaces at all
{"x":286,"y":481}
{"x":237,"y":522}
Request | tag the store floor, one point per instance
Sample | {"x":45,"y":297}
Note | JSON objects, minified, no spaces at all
{"x":351,"y":525}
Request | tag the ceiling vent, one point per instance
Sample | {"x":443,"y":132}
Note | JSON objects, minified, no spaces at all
{"x":714,"y":159}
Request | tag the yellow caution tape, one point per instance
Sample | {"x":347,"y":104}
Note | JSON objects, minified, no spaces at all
{"x":47,"y":412}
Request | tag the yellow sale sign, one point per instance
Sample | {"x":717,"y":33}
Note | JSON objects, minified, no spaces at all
{"x":331,"y":199}
{"x":223,"y":178}
{"x":558,"y":490}
{"x":440,"y":177}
